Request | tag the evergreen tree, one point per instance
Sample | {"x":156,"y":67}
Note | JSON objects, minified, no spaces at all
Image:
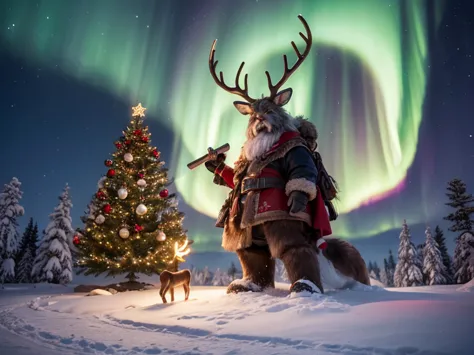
{"x":420,"y":258}
{"x":370,"y":266}
{"x":220,"y":278}
{"x":27,"y":253}
{"x":433,"y":268}
{"x":24,"y":242}
{"x":232,"y":271}
{"x":384,"y":273}
{"x":390,"y":270}
{"x":464,"y":258}
{"x":135,"y":225}
{"x":53,"y":263}
{"x":10,"y":210}
{"x":462,"y":202}
{"x":376,"y":270}
{"x":280,"y":272}
{"x":407,"y":271}
{"x":447,"y":261}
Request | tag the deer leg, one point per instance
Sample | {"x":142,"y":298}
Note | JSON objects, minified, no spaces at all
{"x":186,"y":291}
{"x":164,"y":289}
{"x":172,"y":294}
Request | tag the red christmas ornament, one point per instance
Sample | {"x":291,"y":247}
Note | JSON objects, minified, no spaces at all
{"x":118,"y":145}
{"x":141,"y":175}
{"x":144,"y":139}
{"x":76,"y":240}
{"x":108,"y":162}
{"x":101,"y":195}
{"x":128,"y":142}
{"x":138,"y":228}
{"x":137,"y":132}
{"x":107,"y":209}
{"x":156,"y":153}
{"x":111,"y":173}
{"x":164,"y":193}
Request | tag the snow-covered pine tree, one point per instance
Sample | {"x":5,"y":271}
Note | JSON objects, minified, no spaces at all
{"x":197,"y":277}
{"x":462,"y":202}
{"x":383,"y":273}
{"x":434,"y":271}
{"x":376,"y":269}
{"x":207,"y":277}
{"x":27,"y":253}
{"x":232,"y":271}
{"x":391,"y":265}
{"x":407,"y":271}
{"x":280,"y":272}
{"x":10,"y":210}
{"x":419,"y":258}
{"x":220,"y":278}
{"x":370,"y":267}
{"x":464,"y":258}
{"x":53,"y":263}
{"x":447,"y":261}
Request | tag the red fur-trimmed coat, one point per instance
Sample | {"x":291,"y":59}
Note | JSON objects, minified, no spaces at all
{"x":290,"y":160}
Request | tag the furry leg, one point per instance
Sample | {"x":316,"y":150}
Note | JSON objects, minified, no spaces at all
{"x":258,"y":270}
{"x":290,"y":241}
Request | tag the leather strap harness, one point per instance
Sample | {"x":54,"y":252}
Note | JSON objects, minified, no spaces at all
{"x":251,"y":184}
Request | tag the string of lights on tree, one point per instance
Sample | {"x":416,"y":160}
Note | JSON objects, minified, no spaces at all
{"x":133,"y":224}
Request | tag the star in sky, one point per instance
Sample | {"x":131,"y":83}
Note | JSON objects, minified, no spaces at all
{"x":138,"y":110}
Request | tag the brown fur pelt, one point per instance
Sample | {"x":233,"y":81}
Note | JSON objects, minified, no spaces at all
{"x":347,"y":260}
{"x":169,"y":280}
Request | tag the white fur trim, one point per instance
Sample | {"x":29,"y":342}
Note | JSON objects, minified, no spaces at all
{"x":331,"y":279}
{"x":303,"y":185}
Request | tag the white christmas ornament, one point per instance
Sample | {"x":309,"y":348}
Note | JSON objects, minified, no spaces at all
{"x":128,"y":157}
{"x":141,"y":209}
{"x":100,"y":219}
{"x":122,"y":193}
{"x":161,"y":236}
{"x":124,"y":233}
{"x":141,"y":183}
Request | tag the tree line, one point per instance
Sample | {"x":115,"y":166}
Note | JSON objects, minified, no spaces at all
{"x":26,"y":258}
{"x":429,"y":263}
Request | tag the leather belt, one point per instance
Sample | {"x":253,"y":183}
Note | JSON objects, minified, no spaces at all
{"x":250,"y":184}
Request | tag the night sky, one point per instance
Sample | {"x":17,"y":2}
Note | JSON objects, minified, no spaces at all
{"x":389,"y":84}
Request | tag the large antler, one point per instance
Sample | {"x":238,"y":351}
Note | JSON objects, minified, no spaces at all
{"x":301,"y":57}
{"x":235,"y":90}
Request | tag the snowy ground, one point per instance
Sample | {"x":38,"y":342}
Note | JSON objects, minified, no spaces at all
{"x":54,"y":320}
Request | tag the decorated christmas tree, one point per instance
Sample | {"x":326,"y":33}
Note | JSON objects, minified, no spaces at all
{"x":132,"y":224}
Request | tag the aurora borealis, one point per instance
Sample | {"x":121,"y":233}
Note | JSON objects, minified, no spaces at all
{"x":363,"y":85}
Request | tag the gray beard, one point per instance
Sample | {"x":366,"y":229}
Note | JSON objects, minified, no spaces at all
{"x":257,"y":146}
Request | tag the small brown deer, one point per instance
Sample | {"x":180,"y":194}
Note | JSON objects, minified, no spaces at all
{"x":169,"y":280}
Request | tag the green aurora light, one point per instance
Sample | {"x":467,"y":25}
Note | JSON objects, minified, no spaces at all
{"x":363,"y":84}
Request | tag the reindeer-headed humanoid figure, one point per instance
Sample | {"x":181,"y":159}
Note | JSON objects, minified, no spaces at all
{"x":275,"y":208}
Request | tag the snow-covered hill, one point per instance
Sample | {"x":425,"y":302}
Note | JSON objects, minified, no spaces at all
{"x":368,"y":320}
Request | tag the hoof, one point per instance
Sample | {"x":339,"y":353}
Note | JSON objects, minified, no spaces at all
{"x":243,"y":285}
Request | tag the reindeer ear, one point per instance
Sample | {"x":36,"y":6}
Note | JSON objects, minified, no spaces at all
{"x":243,"y":107}
{"x":282,"y":98}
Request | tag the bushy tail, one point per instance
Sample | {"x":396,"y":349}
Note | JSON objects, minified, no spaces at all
{"x":347,"y":259}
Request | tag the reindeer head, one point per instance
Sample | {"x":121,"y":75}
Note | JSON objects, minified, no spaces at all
{"x":267,"y":114}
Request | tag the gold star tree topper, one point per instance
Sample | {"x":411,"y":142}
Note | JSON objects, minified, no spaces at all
{"x":138,"y":110}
